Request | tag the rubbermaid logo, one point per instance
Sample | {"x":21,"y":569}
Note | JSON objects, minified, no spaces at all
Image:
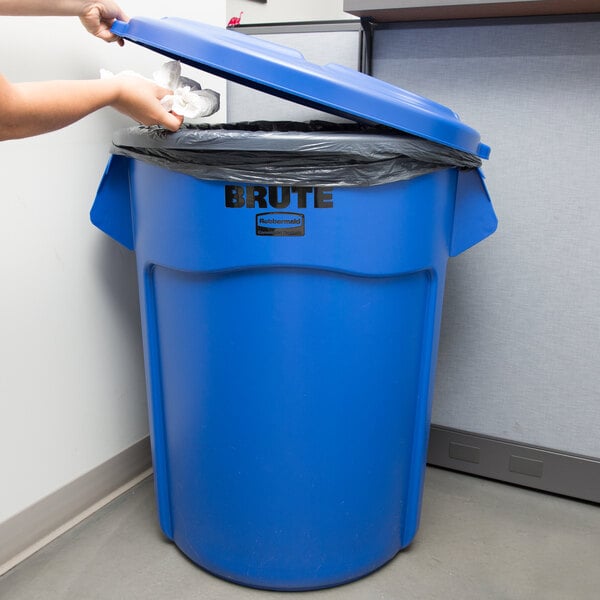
{"x":280,"y":223}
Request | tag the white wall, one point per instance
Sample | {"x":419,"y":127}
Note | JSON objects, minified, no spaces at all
{"x":276,"y":11}
{"x":72,"y":392}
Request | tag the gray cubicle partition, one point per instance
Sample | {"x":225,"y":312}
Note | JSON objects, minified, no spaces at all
{"x":520,"y":401}
{"x":321,"y":42}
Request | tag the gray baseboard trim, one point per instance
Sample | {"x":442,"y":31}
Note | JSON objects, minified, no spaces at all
{"x":530,"y":466}
{"x":37,"y":525}
{"x":513,"y":462}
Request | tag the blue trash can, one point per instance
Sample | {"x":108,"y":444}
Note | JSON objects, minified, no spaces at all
{"x":291,"y":330}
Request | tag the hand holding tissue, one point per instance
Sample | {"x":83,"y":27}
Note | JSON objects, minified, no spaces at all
{"x":188,"y":100}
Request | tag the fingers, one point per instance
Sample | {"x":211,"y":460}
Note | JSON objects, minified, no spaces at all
{"x":106,"y":11}
{"x":140,"y":99}
{"x":165,"y":119}
{"x":99,"y":18}
{"x":171,"y":121}
{"x":108,"y":36}
{"x":122,"y":17}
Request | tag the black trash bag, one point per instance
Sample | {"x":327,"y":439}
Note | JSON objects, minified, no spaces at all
{"x":288,"y":153}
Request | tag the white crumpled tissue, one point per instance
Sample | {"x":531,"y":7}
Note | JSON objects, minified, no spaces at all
{"x":189,"y":100}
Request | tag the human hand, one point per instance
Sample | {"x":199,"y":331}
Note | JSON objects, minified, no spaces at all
{"x":98,"y":17}
{"x":140,"y":99}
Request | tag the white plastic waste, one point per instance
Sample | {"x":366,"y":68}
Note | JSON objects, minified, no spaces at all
{"x":188,"y":100}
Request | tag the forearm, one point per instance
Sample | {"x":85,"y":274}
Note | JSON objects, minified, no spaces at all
{"x":48,"y":8}
{"x":34,"y":108}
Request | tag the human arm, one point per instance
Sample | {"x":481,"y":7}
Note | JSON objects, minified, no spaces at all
{"x":30,"y":109}
{"x":97,"y":17}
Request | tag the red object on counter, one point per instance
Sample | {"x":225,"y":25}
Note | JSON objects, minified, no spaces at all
{"x":235,"y":21}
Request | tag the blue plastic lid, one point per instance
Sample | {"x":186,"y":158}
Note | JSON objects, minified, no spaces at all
{"x":284,"y":72}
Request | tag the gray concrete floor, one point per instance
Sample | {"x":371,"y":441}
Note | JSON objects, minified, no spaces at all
{"x":478,"y":540}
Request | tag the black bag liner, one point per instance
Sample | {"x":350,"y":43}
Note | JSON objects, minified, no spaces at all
{"x":291,"y":153}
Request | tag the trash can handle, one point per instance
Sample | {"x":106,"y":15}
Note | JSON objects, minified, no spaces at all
{"x":474,"y":216}
{"x":111,"y":212}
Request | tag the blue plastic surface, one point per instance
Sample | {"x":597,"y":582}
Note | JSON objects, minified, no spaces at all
{"x":284,"y":72}
{"x":290,"y":376}
{"x":291,"y":333}
{"x":112,"y":210}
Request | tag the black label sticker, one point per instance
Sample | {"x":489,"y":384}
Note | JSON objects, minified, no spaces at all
{"x":280,"y":198}
{"x":280,"y":223}
{"x":272,"y":196}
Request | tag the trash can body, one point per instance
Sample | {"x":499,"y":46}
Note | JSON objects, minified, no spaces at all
{"x":291,"y":325}
{"x":290,"y":374}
